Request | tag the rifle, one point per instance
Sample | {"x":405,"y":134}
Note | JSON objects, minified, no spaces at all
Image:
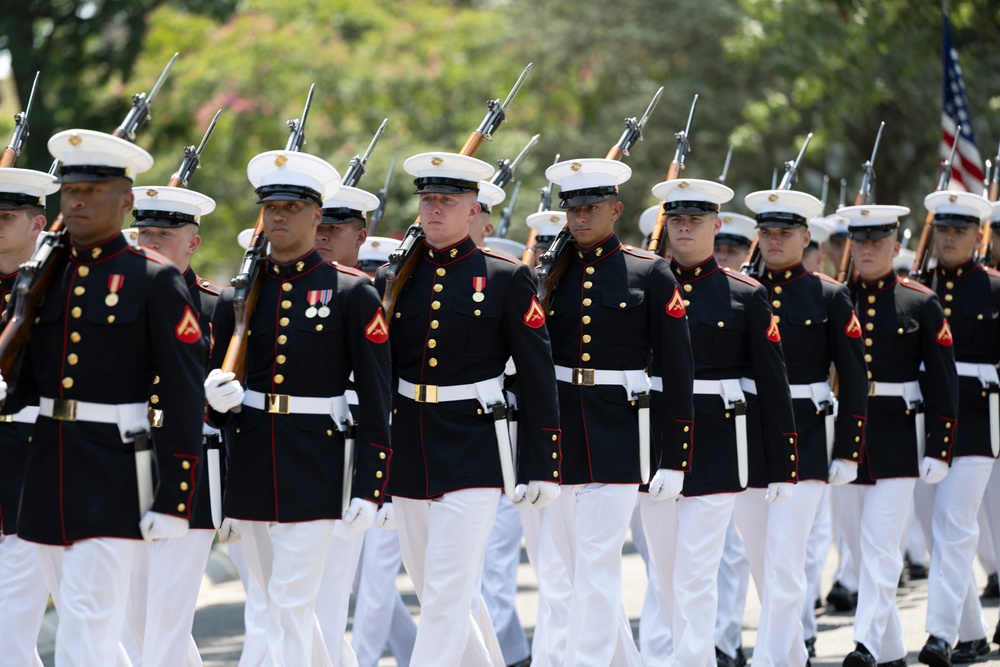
{"x":358,"y":162}
{"x":376,"y":217}
{"x":192,"y":157}
{"x":403,"y":260}
{"x":544,"y":204}
{"x":503,"y":226}
{"x":754,"y":263}
{"x":846,"y":272}
{"x":983,"y":252}
{"x":919,"y":270}
{"x":825,"y":192}
{"x":556,"y":258}
{"x":35,"y":276}
{"x":139,"y":113}
{"x":725,"y":167}
{"x":20,"y":131}
{"x":673,"y":172}
{"x":249,"y":281}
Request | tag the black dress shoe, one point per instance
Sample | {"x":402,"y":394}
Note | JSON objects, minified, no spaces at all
{"x":936,"y":653}
{"x":722,"y":659}
{"x":741,"y":657}
{"x":895,"y":663}
{"x":996,"y":634}
{"x":811,"y":647}
{"x":524,"y":663}
{"x":859,"y":657}
{"x":841,"y":599}
{"x":969,"y":651}
{"x":991,"y":590}
{"x":916,"y":571}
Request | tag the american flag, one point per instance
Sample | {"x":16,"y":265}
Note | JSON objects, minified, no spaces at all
{"x":967,"y":168}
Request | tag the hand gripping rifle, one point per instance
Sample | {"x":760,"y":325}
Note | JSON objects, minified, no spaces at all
{"x":376,"y":217}
{"x":503,"y":225}
{"x":983,"y":252}
{"x":36,"y":275}
{"x":192,"y":157}
{"x":358,"y":162}
{"x":556,"y":258}
{"x":674,"y":172}
{"x":403,"y":260}
{"x":544,"y":204}
{"x":248,"y":282}
{"x":754,"y":263}
{"x":20,"y":131}
{"x":846,"y":273}
{"x":920,"y":270}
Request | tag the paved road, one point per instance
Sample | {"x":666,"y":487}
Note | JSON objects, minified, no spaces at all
{"x":219,"y":620}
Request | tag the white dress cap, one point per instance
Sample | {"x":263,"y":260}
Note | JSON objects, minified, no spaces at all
{"x":165,"y":206}
{"x":547,"y":223}
{"x":783,"y":208}
{"x":736,"y":229}
{"x":490,"y":195}
{"x":872,"y":222}
{"x":955,"y":209}
{"x":820,"y":230}
{"x":692,"y":196}
{"x":348,"y":204}
{"x":448,"y":173}
{"x":292,"y":176}
{"x":86,"y":155}
{"x":22,"y":188}
{"x":587,"y":180}
{"x":513,"y":248}
{"x":647,"y":220}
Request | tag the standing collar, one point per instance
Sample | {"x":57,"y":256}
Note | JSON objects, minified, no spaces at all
{"x":878,"y":285}
{"x":598,"y":252}
{"x":689,"y":274}
{"x":958,"y":272}
{"x":452,"y":253}
{"x":294,"y":268}
{"x":100,"y":251}
{"x":792,"y":273}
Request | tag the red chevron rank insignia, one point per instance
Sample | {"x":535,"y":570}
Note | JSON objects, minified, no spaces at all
{"x":676,"y":306}
{"x":535,"y":317}
{"x":377,"y":331}
{"x":188,"y":330}
{"x":773,"y":334}
{"x":944,"y":335}
{"x":853,"y":328}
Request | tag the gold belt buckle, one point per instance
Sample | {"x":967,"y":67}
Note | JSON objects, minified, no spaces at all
{"x":583,"y":376}
{"x":64,"y":410}
{"x":155,"y":418}
{"x":277,"y":404}
{"x":425,"y":393}
{"x":6,"y":419}
{"x":872,"y":390}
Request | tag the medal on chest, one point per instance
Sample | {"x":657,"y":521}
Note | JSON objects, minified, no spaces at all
{"x":318,"y":303}
{"x":115,"y":282}
{"x":478,"y":285}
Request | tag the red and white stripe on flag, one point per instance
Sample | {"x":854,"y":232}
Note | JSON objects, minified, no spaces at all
{"x":967,"y":167}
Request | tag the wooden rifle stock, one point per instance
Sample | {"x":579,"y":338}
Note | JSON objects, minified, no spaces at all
{"x":656,"y":236}
{"x":8,"y":158}
{"x":984,"y":246}
{"x":236,"y":354}
{"x":923,"y":253}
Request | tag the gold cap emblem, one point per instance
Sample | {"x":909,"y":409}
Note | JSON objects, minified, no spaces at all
{"x":952,"y":199}
{"x":683,"y":184}
{"x":436,"y":161}
{"x":576,"y":166}
{"x":554,"y":218}
{"x":772,"y":197}
{"x":151,"y":192}
{"x":74,"y":140}
{"x":865,"y":211}
{"x":280,"y":160}
{"x":727,"y":218}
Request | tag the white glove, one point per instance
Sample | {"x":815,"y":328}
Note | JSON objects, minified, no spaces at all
{"x":778,"y":492}
{"x":3,"y":389}
{"x":666,"y":484}
{"x":540,"y":494}
{"x":156,"y":526}
{"x":519,"y":491}
{"x":933,"y":470}
{"x":386,"y":517}
{"x":222,"y":392}
{"x":360,"y":515}
{"x":842,"y":472}
{"x":229,"y":531}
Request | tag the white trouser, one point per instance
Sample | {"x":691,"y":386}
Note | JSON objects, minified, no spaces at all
{"x":883,"y":521}
{"x":654,"y":624}
{"x":916,"y":543}
{"x":89,"y":584}
{"x":23,"y":596}
{"x":335,"y":591}
{"x":817,"y":550}
{"x":442,"y":542}
{"x":595,"y":518}
{"x":159,"y":615}
{"x":555,"y":582}
{"x":701,"y":526}
{"x":659,"y":528}
{"x":531,"y":528}
{"x":780,"y":639}
{"x":503,"y":555}
{"x":733,"y":582}
{"x":286,"y":562}
{"x":254,"y":653}
{"x":377,"y":600}
{"x":991,"y":510}
{"x":954,"y":531}
{"x":984,"y":549}
{"x":846,"y":502}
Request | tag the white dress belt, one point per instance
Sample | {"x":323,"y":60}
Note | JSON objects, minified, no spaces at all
{"x":26,"y":415}
{"x":283,"y":404}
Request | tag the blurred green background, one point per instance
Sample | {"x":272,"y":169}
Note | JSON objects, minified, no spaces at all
{"x":767,"y":72}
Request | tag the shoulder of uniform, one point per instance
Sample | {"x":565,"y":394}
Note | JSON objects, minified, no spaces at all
{"x":915,"y":286}
{"x":741,"y":277}
{"x":825,"y":278}
{"x":500,"y":254}
{"x":150,"y":255}
{"x":990,"y":271}
{"x":348,"y":270}
{"x":639,"y":252}
{"x":206,"y":285}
